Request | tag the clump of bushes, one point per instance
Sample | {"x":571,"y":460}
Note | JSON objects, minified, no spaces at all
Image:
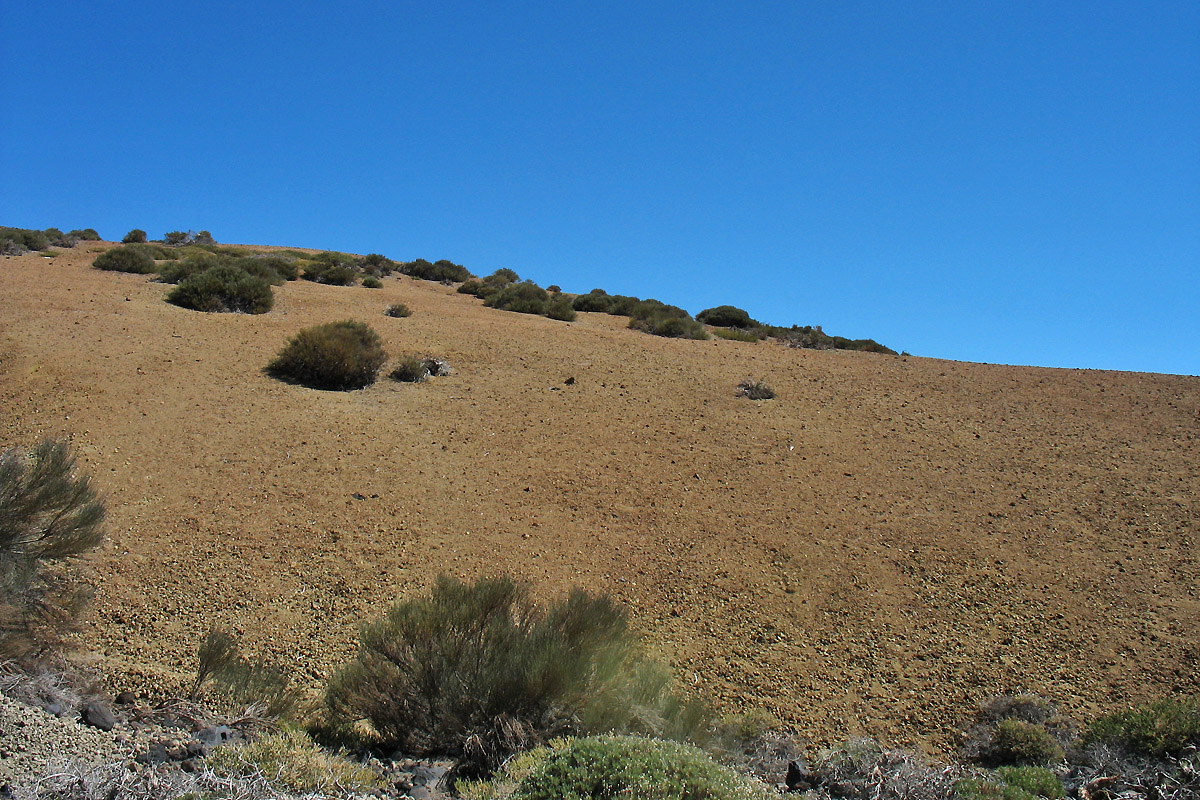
{"x":444,"y":271}
{"x":333,"y":269}
{"x":527,"y":297}
{"x":223,"y":288}
{"x":15,"y":241}
{"x":483,"y":288}
{"x":478,"y":672}
{"x":863,"y":769}
{"x":1017,"y":730}
{"x":398,"y":310}
{"x":658,"y":318}
{"x":755,"y":389}
{"x":125,"y":259}
{"x":49,"y":516}
{"x":135,"y":236}
{"x":610,"y":767}
{"x":184,"y":238}
{"x":84,"y":235}
{"x":410,"y":369}
{"x":1159,"y":729}
{"x":377,"y":266}
{"x":337,"y":355}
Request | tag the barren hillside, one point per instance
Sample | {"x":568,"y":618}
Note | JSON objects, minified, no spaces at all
{"x":885,"y":544}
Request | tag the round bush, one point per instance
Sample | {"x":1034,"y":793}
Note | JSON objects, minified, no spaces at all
{"x":371,"y":282}
{"x":223,"y":288}
{"x":125,"y":259}
{"x":135,"y":236}
{"x":337,"y":355}
{"x":398,"y":310}
{"x":602,"y":767}
{"x":725,"y":317}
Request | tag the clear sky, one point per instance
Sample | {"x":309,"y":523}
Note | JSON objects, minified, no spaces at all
{"x":1012,"y":182}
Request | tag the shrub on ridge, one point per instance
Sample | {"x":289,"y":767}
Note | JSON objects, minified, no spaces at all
{"x":223,"y":288}
{"x":125,"y":259}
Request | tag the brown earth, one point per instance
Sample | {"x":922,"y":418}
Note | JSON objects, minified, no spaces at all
{"x":890,"y":541}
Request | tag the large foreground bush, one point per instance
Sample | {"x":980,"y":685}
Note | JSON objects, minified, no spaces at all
{"x":337,"y":355}
{"x":478,"y":672}
{"x":48,"y":516}
{"x":223,"y":288}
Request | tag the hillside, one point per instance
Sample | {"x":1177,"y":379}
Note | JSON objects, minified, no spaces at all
{"x":890,"y":541}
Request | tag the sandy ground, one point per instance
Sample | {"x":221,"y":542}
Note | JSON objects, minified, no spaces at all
{"x":890,"y":541}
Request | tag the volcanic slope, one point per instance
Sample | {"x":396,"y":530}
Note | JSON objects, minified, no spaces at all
{"x":890,"y":541}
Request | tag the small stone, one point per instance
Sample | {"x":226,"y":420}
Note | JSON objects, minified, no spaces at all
{"x":126,"y":698}
{"x":98,"y":715}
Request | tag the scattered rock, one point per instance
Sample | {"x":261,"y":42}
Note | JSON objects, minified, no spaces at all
{"x":98,"y":715}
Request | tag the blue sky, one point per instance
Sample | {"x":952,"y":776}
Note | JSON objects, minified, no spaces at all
{"x":1013,"y":182}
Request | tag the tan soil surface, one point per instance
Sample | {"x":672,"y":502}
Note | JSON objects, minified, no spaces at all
{"x":890,"y":541}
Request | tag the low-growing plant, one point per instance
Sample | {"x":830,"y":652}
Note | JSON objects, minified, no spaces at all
{"x":15,"y":241}
{"x":377,"y":265}
{"x":612,"y":767}
{"x":398,"y":310}
{"x":371,"y":282}
{"x":49,"y":517}
{"x":478,"y":672}
{"x":85,"y":234}
{"x":755,"y":389}
{"x":294,"y":763}
{"x":337,"y":356}
{"x":1161,"y":728}
{"x":1013,"y":783}
{"x":224,"y":288}
{"x":331,"y":270}
{"x":735,"y":334}
{"x":125,"y":259}
{"x":658,"y":318}
{"x":135,"y":236}
{"x":862,"y":769}
{"x":59,"y":239}
{"x":410,"y":369}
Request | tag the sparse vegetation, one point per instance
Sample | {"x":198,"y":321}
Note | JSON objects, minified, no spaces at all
{"x":223,"y":288}
{"x":125,"y":259}
{"x":398,"y":310}
{"x":338,"y":356}
{"x":1013,"y":783}
{"x":1017,"y":730}
{"x":478,"y":671}
{"x":290,"y":761}
{"x":410,"y":369}
{"x":243,"y":680}
{"x":49,"y":517}
{"x":755,"y":389}
{"x":735,"y":334}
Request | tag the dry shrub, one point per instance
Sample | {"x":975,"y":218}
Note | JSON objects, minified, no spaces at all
{"x":337,"y":355}
{"x":755,"y":389}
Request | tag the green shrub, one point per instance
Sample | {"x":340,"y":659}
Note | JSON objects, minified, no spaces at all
{"x":410,"y":369}
{"x":290,"y":761}
{"x":559,"y":307}
{"x":377,"y":265}
{"x":671,"y":327}
{"x":477,"y":671}
{"x":176,"y":238}
{"x":735,"y":334}
{"x":524,"y":298}
{"x":478,"y":288}
{"x":445,"y":271}
{"x":336,"y":355}
{"x":623,"y":305}
{"x":59,"y":239}
{"x":204,"y":238}
{"x":726,"y":317}
{"x":85,"y":235}
{"x":224,"y":288}
{"x":1161,"y":728}
{"x":272,"y":269}
{"x":156,"y":251}
{"x":1021,"y":729}
{"x":595,"y":300}
{"x":49,"y":516}
{"x":125,"y":259}
{"x":181,"y":269}
{"x":398,"y":310}
{"x":333,"y":269}
{"x":611,"y":767}
{"x":1013,"y":783}
{"x":371,"y":282}
{"x":505,"y":275}
{"x":135,"y":236}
